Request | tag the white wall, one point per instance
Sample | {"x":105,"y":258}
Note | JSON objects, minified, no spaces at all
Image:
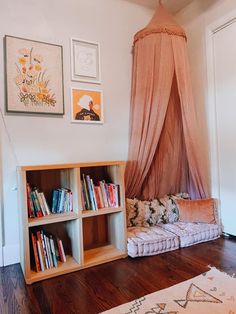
{"x":196,"y":18}
{"x":32,"y":139}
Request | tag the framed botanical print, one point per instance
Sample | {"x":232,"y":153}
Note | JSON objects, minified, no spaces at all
{"x":86,"y":105}
{"x":34,"y":76}
{"x":85,"y":61}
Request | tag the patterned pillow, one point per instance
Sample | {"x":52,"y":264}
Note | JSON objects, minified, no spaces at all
{"x":155,"y":211}
{"x":137,"y":212}
{"x":150,"y":213}
{"x":171,"y":213}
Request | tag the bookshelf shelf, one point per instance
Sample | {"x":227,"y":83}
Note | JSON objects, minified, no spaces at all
{"x":53,"y":218}
{"x":109,"y":210}
{"x":63,"y":268}
{"x":102,"y":255}
{"x":89,"y":237}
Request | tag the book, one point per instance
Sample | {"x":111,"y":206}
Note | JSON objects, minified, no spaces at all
{"x":61,"y":201}
{"x":44,"y":250}
{"x":55,"y":195}
{"x":45,"y":204}
{"x":31,"y":211}
{"x":53,"y":251}
{"x":85,"y":204}
{"x":98,"y":197}
{"x":61,"y":251}
{"x":48,"y":250}
{"x":35,"y":251}
{"x":104,"y":194}
{"x":40,"y":202}
{"x":86,"y":195}
{"x":90,"y":192}
{"x":117,"y":193}
{"x":93,"y":195}
{"x":36,"y":204}
{"x":111,"y":195}
{"x":40,"y":256}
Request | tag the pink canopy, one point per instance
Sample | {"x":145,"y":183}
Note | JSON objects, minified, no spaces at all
{"x":165,"y":150}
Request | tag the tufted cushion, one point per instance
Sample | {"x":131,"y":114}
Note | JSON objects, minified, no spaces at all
{"x":150,"y":241}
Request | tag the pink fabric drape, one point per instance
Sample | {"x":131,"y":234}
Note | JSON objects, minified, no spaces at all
{"x":169,"y":169}
{"x":164,"y":151}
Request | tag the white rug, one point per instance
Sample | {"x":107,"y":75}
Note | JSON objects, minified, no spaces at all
{"x":213,"y":292}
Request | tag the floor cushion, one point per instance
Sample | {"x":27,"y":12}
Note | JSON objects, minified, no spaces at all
{"x":144,"y":241}
{"x":193,"y":233}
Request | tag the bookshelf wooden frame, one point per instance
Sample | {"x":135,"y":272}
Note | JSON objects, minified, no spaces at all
{"x":81,"y":255}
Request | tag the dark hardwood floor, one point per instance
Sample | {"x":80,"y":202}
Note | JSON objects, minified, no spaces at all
{"x":99,"y":288}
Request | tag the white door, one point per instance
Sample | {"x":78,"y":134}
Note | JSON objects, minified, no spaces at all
{"x":224,"y":50}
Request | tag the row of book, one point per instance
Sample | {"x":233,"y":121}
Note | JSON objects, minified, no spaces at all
{"x":47,"y":250}
{"x":36,"y":202}
{"x":62,"y":202}
{"x":99,"y":196}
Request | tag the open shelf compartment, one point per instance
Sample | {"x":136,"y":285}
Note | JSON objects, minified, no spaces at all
{"x":48,"y":180}
{"x":103,"y":239}
{"x":68,"y":233}
{"x":109,"y":174}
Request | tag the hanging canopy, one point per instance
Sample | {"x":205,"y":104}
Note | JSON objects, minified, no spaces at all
{"x":165,"y":150}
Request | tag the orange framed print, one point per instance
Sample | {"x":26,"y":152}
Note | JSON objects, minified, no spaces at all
{"x":34,"y":76}
{"x":86,"y":105}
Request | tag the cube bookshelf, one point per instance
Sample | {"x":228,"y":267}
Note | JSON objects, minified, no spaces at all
{"x":90,"y":237}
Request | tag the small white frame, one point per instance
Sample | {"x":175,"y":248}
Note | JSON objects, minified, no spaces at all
{"x":85,"y":61}
{"x":96,"y":95}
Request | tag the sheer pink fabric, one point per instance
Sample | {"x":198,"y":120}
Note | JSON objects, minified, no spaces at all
{"x":164,"y":151}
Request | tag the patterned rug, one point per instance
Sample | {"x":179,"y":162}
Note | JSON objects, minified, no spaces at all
{"x":213,"y":292}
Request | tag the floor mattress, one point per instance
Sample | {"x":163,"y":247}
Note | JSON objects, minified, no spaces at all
{"x":193,"y":233}
{"x":150,"y":241}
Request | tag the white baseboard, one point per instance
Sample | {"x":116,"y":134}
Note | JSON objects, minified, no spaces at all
{"x":11,"y":254}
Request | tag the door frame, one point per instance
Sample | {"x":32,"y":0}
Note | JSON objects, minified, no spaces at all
{"x":212,"y":29}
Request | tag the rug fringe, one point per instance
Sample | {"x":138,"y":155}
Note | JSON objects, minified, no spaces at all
{"x":223,"y":272}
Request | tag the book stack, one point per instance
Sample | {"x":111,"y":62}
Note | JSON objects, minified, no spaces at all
{"x":36,"y":202}
{"x":47,"y":250}
{"x":62,"y":201}
{"x":99,"y":196}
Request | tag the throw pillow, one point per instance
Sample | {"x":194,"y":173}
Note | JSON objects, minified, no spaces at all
{"x":171,"y":213}
{"x":197,"y":210}
{"x":155,"y":211}
{"x":137,"y":212}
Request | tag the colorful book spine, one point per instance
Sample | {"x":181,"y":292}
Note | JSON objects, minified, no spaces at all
{"x":36,"y":204}
{"x":86,"y":193}
{"x":93,"y":195}
{"x":40,"y":251}
{"x":53,"y":251}
{"x":104,"y":194}
{"x":31,"y":211}
{"x":61,"y":251}
{"x":35,"y":250}
{"x":55,"y":195}
{"x":90,"y":192}
{"x":45,"y":204}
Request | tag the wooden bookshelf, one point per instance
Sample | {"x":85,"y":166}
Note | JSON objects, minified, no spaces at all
{"x":90,"y":237}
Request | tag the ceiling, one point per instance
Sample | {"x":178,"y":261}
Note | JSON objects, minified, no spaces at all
{"x":172,"y":5}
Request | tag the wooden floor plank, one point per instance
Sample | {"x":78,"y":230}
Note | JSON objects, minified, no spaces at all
{"x":102,"y":287}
